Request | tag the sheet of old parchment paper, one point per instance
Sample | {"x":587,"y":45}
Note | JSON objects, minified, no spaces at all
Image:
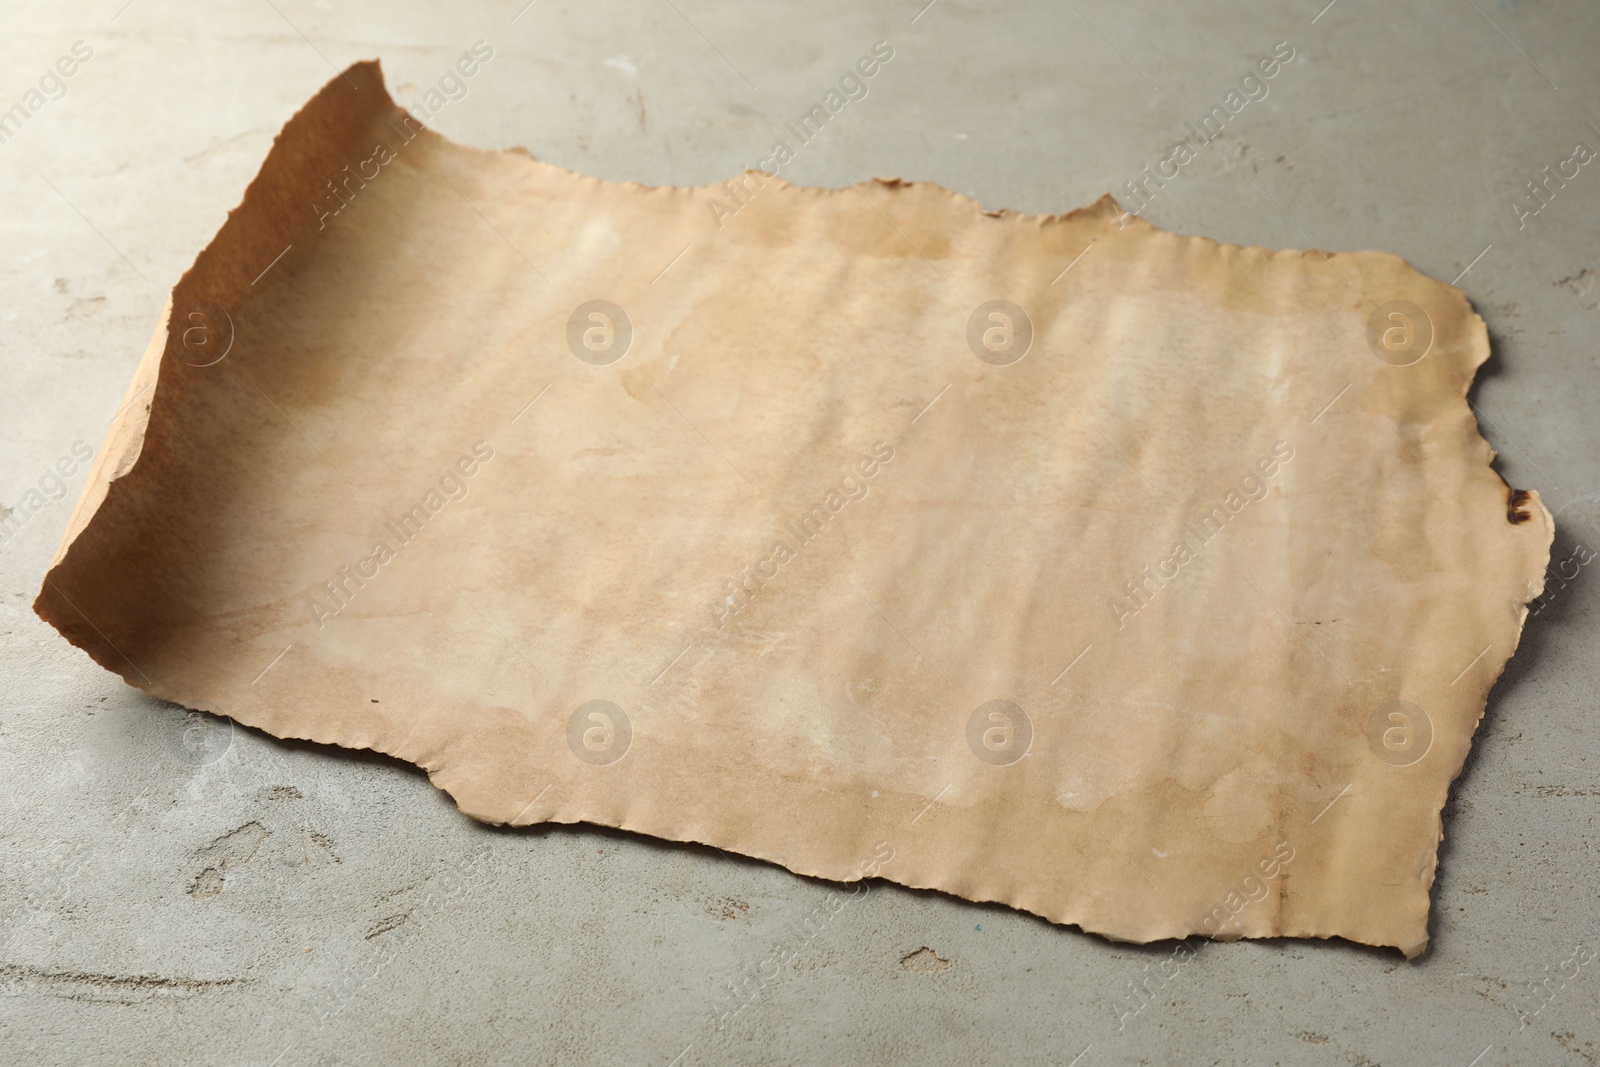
{"x":1141,"y":582}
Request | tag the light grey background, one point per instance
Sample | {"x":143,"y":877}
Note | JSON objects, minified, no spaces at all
{"x":163,"y":909}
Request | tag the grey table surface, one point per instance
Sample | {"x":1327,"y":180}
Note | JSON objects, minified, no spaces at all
{"x":177,"y":890}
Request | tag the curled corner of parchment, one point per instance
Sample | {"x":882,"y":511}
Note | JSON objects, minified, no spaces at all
{"x":1141,"y":582}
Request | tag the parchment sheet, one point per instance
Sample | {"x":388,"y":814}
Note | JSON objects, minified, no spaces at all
{"x":1140,"y":582}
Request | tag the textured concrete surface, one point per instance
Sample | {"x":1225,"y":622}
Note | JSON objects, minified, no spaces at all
{"x":177,"y":891}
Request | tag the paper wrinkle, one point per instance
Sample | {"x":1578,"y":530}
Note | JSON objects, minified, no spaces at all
{"x":1014,"y":654}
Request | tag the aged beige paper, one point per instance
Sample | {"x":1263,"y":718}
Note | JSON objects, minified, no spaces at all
{"x":1143,"y":583}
